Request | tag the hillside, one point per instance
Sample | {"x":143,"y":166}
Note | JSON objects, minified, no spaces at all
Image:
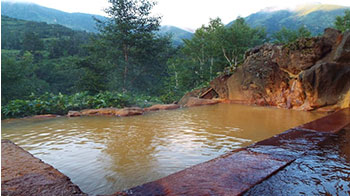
{"x":33,"y":12}
{"x":13,"y":32}
{"x":315,"y":17}
{"x":76,"y":21}
{"x":177,"y":34}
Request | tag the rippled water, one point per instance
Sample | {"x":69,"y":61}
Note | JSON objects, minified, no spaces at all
{"x":103,"y":155}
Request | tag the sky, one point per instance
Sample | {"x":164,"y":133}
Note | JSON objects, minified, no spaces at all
{"x":187,"y":14}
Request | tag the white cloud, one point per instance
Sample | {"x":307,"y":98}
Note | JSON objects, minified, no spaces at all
{"x":187,"y":13}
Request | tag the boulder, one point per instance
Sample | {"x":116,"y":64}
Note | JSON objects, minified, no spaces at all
{"x":162,"y":107}
{"x":302,"y":54}
{"x":101,"y":111}
{"x":108,"y":112}
{"x":74,"y":114}
{"x":195,"y":93}
{"x":324,"y":83}
{"x":192,"y":101}
{"x":342,"y":53}
{"x":132,"y":111}
{"x":219,"y":85}
{"x":44,"y":116}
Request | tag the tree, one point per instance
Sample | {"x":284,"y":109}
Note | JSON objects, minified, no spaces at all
{"x":343,"y":23}
{"x":211,"y":49}
{"x":32,"y":42}
{"x":285,"y":35}
{"x":18,"y":78}
{"x":128,"y":29}
{"x":237,"y":39}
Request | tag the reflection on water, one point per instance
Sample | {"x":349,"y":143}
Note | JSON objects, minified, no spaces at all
{"x":324,"y":170}
{"x":103,"y":155}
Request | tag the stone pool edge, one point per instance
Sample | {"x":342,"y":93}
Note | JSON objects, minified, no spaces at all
{"x":233,"y":173}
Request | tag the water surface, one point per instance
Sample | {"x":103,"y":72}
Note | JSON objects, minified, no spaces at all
{"x":103,"y":155}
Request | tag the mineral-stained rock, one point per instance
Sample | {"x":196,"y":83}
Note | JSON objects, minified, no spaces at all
{"x":162,"y":107}
{"x":342,"y":54}
{"x":219,"y":84}
{"x":325,"y":82}
{"x":74,"y":114}
{"x":192,"y":101}
{"x":23,"y":174}
{"x":112,"y":112}
{"x":195,"y":93}
{"x":302,"y":54}
{"x":102,"y":111}
{"x":43,"y":116}
{"x":309,"y":74}
{"x":132,"y":111}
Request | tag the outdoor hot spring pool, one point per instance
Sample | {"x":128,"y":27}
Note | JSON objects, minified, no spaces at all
{"x":103,"y":155}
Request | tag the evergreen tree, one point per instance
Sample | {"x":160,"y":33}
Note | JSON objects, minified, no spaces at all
{"x":129,"y":29}
{"x":285,"y":35}
{"x":343,"y":23}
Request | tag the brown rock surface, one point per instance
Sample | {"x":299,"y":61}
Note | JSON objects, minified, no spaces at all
{"x":309,"y":74}
{"x":23,"y":174}
{"x":192,"y":101}
{"x":132,"y":111}
{"x":195,"y":93}
{"x":74,"y":114}
{"x":129,"y":111}
{"x":162,"y":107}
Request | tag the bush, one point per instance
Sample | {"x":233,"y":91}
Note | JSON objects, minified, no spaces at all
{"x":49,"y":103}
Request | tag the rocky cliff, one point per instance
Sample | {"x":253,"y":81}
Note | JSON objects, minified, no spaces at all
{"x":309,"y":74}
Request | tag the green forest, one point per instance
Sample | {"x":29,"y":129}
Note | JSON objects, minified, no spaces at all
{"x":49,"y":68}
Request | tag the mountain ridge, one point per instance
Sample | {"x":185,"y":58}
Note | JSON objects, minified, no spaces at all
{"x":315,"y":17}
{"x":76,"y":21}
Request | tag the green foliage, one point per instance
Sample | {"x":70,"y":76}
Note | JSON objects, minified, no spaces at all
{"x":18,"y":78}
{"x":211,"y":49}
{"x":285,"y":36}
{"x":343,"y":23}
{"x":37,"y":36}
{"x":49,"y":103}
{"x":127,"y":54}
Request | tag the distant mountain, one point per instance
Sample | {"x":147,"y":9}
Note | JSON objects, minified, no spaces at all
{"x":34,"y":12}
{"x":177,"y":34}
{"x":76,"y":21}
{"x":315,"y":17}
{"x":14,"y":30}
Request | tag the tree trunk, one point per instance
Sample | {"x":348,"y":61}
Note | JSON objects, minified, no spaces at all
{"x":126,"y":59}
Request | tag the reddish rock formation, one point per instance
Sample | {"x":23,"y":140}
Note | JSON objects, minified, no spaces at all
{"x":162,"y":107}
{"x":132,"y":111}
{"x":23,"y":174}
{"x":43,"y":116}
{"x":74,"y":114}
{"x":192,"y":101}
{"x":202,"y":93}
{"x":309,"y":74}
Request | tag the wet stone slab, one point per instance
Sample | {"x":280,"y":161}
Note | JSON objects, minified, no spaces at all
{"x":331,"y":123}
{"x":23,"y":174}
{"x":230,"y":174}
{"x":323,"y":170}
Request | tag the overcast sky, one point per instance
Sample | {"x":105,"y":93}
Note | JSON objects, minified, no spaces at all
{"x":188,"y":14}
